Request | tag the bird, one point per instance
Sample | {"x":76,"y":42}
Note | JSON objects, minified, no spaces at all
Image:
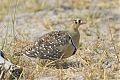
{"x":6,"y":66}
{"x":56,"y":44}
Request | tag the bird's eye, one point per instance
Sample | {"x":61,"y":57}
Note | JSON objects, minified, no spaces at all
{"x":76,"y":21}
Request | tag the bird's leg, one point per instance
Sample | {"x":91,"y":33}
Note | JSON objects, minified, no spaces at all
{"x":59,"y":62}
{"x":58,"y":65}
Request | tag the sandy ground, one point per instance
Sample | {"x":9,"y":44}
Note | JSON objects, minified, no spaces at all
{"x":99,"y":37}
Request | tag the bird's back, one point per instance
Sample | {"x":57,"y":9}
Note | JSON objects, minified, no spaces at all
{"x":52,"y":46}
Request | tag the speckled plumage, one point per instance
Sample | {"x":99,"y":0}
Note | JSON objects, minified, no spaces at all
{"x":51,"y":45}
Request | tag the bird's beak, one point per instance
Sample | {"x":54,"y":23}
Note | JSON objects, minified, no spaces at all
{"x":83,"y":22}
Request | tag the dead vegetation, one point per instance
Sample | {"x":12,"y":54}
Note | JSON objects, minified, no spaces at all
{"x":98,"y":54}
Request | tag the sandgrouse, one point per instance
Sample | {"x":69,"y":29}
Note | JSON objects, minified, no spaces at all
{"x":56,"y":44}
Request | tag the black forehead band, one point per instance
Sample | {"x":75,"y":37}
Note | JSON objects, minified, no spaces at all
{"x":79,"y":21}
{"x":76,"y":21}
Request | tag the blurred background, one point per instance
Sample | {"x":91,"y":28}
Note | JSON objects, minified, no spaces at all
{"x":23,"y":21}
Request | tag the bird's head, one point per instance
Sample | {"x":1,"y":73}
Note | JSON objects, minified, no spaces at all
{"x":77,"y":23}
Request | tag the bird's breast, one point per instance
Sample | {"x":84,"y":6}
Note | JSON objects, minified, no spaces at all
{"x":69,"y":51}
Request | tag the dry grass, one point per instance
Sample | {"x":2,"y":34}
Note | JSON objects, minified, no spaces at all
{"x":4,"y":5}
{"x":94,"y":55}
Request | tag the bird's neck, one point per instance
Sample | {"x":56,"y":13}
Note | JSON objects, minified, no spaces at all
{"x":74,"y":33}
{"x":73,"y":30}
